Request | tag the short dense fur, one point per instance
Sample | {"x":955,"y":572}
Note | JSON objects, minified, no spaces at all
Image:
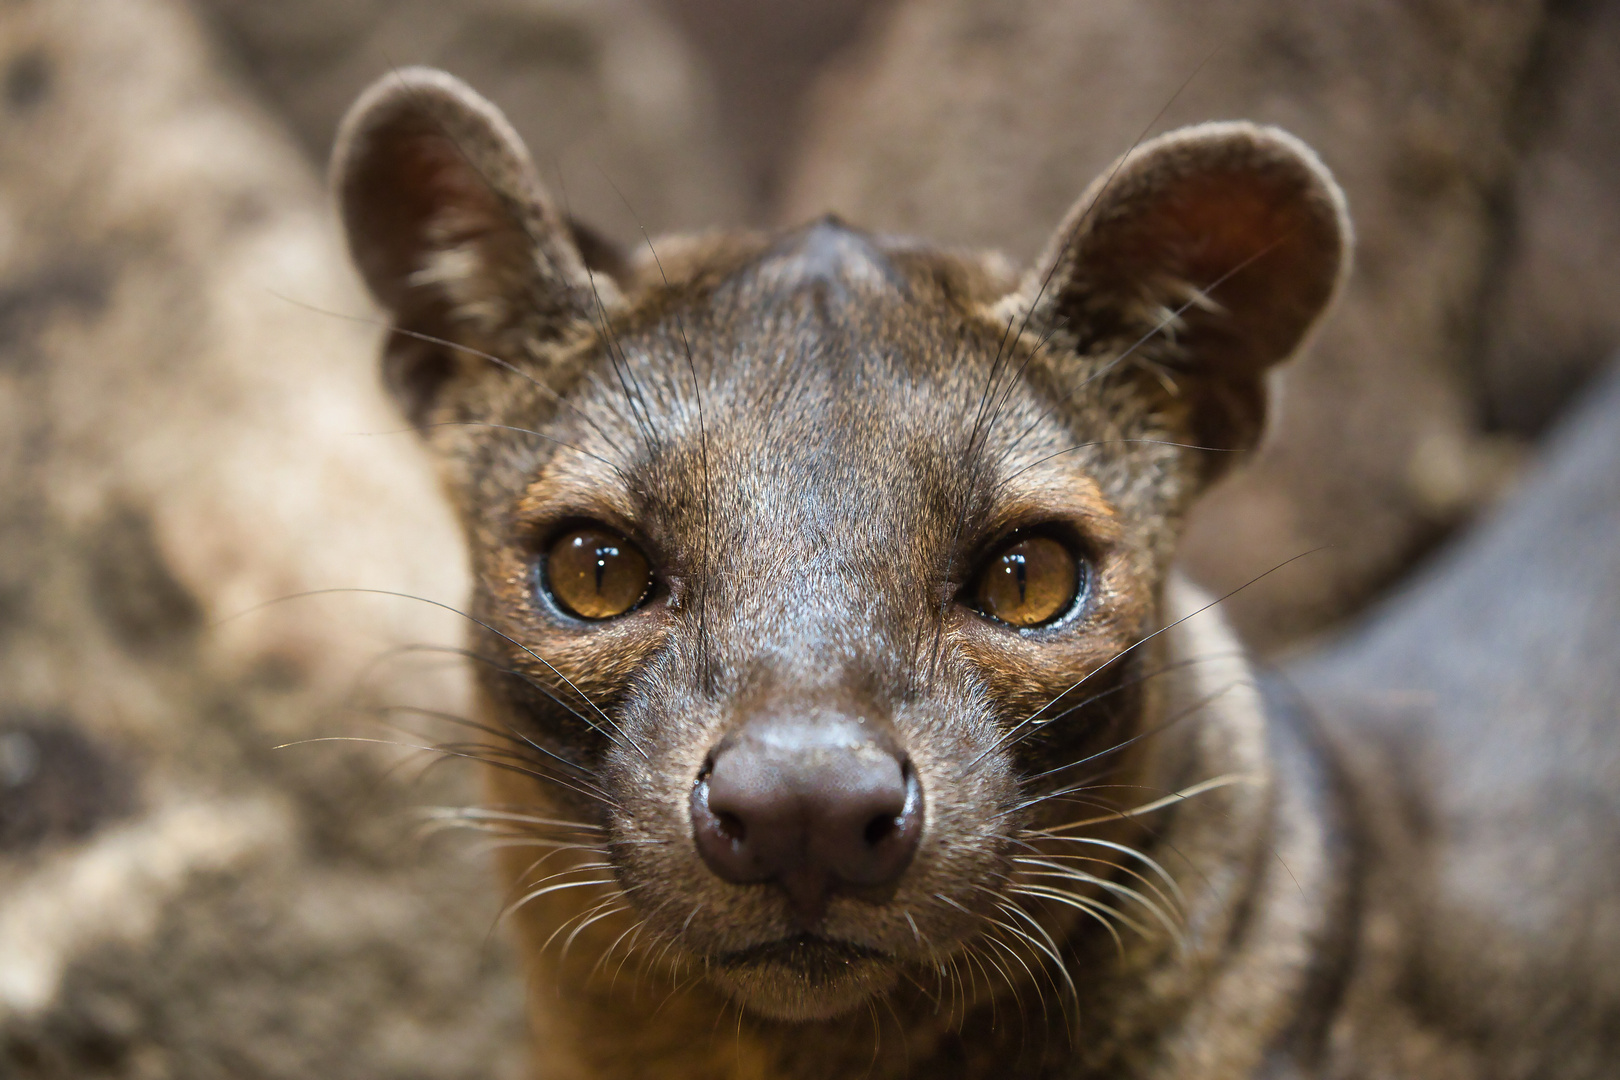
{"x":1130,"y":866}
{"x":816,"y":436}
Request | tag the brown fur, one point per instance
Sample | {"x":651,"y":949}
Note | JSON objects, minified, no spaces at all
{"x":815,"y":436}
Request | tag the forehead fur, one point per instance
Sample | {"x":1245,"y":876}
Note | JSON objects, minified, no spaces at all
{"x":826,"y":398}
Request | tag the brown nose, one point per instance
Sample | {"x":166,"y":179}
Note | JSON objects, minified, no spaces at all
{"x":810,"y":803}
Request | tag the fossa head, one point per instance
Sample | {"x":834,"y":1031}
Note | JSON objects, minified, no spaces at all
{"x":812,"y":566}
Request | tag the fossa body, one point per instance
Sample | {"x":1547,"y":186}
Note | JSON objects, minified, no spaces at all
{"x":843,"y":708}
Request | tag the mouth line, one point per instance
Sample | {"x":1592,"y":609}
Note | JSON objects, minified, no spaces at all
{"x":802,"y":952}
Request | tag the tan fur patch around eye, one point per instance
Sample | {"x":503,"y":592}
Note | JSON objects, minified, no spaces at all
{"x":1038,"y":496}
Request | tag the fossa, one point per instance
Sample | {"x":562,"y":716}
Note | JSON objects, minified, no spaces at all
{"x":840,"y":700}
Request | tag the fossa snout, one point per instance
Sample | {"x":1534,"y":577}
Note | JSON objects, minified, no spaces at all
{"x":812,"y":799}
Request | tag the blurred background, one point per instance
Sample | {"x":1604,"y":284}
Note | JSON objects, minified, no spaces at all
{"x":191,"y":429}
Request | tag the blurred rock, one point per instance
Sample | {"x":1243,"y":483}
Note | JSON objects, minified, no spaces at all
{"x":191,"y":426}
{"x":1475,"y":141}
{"x":1550,"y":313}
{"x":763,"y":58}
{"x":606,"y":92}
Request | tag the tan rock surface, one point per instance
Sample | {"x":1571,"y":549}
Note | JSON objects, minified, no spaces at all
{"x":606,"y":93}
{"x":186,"y":433}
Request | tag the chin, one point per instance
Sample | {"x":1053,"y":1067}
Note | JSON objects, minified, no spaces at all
{"x":803,"y":979}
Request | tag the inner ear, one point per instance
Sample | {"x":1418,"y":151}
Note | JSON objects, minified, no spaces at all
{"x":451,"y":229}
{"x":1221,"y":245}
{"x":412,"y":195}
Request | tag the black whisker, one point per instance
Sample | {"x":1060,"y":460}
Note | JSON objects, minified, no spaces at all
{"x":701,"y":599}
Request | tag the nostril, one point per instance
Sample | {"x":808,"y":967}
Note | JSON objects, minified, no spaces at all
{"x":879,"y":829}
{"x":886,"y":824}
{"x":722,"y":834}
{"x":732,"y":827}
{"x":881,"y":842}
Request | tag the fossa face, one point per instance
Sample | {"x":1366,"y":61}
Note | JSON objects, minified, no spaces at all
{"x":817,"y":572}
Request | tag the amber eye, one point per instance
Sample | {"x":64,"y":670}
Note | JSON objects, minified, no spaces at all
{"x":1029,"y":582}
{"x":596,"y":574}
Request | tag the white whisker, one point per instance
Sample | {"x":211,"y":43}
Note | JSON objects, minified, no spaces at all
{"x":1212,"y":784}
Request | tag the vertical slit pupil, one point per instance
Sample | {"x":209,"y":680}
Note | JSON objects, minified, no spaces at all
{"x":1030,"y":581}
{"x":595,"y":574}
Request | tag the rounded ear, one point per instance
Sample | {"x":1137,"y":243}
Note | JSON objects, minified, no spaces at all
{"x":450,"y":227}
{"x":1208,"y":253}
